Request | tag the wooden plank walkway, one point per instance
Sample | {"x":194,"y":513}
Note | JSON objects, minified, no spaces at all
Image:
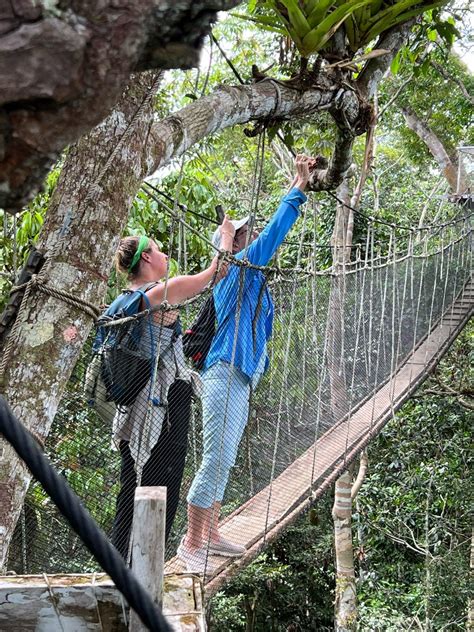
{"x":262,"y":517}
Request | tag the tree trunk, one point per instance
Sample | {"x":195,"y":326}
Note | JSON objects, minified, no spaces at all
{"x":345,"y":611}
{"x":345,"y":606}
{"x":79,"y":238}
{"x":63,"y":69}
{"x":345,"y":619}
{"x":439,"y":153}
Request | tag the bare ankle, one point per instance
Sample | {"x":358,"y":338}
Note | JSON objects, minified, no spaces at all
{"x":191,"y":543}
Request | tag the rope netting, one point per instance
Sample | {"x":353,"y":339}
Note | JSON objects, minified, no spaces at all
{"x":264,"y":402}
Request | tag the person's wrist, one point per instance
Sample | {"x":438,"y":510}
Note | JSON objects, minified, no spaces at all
{"x":228,"y":233}
{"x":300,"y":184}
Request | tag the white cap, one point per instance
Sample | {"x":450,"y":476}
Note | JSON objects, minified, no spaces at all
{"x":237,"y":223}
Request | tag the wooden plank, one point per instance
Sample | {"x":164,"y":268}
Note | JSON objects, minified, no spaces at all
{"x":148,"y":545}
{"x":57,"y":603}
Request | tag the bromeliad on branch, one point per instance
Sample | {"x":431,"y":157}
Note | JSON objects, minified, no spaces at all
{"x":311,"y":24}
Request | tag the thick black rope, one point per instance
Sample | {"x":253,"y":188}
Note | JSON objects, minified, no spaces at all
{"x":80,"y":520}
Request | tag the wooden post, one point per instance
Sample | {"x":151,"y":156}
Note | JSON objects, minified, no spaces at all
{"x":148,"y":545}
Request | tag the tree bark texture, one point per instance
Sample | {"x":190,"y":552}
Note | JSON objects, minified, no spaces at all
{"x":345,"y":610}
{"x":439,"y":153}
{"x":81,"y":231}
{"x":63,"y":65}
{"x":346,"y":595}
{"x":372,"y":73}
{"x":345,"y":607}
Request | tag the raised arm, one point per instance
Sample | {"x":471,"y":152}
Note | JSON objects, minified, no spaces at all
{"x":262,"y":249}
{"x":181,"y":288}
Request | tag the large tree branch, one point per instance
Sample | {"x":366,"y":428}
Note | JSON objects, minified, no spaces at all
{"x":375,"y":68}
{"x":236,"y":105}
{"x":61,"y":74}
{"x":436,"y":147}
{"x":341,"y":160}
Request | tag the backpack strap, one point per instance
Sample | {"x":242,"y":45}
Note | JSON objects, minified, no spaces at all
{"x":147,"y":286}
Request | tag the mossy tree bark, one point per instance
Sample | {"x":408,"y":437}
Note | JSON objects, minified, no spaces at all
{"x":63,"y":65}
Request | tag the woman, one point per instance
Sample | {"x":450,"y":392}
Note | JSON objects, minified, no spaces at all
{"x":152,"y":433}
{"x":236,"y":360}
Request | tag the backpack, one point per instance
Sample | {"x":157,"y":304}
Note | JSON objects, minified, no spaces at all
{"x":197,"y":339}
{"x":124,"y":367}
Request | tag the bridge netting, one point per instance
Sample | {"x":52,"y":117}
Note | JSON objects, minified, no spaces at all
{"x":338,"y":335}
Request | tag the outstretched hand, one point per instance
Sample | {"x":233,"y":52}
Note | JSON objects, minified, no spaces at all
{"x":227,"y":228}
{"x":304,"y":165}
{"x":227,"y":231}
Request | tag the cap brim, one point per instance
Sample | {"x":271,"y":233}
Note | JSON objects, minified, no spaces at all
{"x":238,"y":223}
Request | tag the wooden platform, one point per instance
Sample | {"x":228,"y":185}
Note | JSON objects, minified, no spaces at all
{"x":89,"y":603}
{"x":262,"y":518}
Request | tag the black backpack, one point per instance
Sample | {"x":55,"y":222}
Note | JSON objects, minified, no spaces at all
{"x":197,"y":339}
{"x":124,"y":369}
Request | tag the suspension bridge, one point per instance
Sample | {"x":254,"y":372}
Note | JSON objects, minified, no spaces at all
{"x":351,"y":344}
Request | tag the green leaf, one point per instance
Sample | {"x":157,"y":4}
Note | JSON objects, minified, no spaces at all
{"x":393,"y":10}
{"x":265,"y":22}
{"x":318,"y":14}
{"x":272,"y":132}
{"x":448,"y":32}
{"x":319,"y":36}
{"x":390,"y":22}
{"x":352,"y":32}
{"x":297,"y":18}
{"x":395,"y":65}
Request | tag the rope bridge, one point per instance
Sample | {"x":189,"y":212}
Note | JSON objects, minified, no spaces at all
{"x":349,"y":346}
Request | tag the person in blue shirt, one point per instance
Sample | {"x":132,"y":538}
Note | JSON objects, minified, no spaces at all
{"x":235,"y":362}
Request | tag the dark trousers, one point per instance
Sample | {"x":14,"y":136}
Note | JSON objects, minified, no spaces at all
{"x":164,"y":468}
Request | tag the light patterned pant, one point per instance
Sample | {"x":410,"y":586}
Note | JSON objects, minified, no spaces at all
{"x":225,"y":409}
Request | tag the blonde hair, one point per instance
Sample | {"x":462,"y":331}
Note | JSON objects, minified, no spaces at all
{"x":124,"y":255}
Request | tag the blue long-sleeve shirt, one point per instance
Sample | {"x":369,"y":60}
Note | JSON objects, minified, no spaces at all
{"x":249,"y":328}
